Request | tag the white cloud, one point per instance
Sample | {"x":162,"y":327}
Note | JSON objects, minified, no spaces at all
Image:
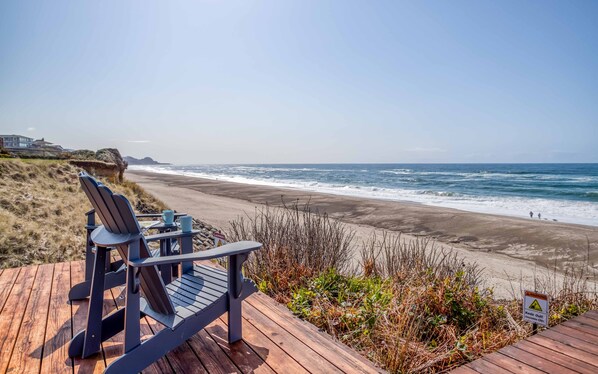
{"x":30,"y":129}
{"x":138,"y":141}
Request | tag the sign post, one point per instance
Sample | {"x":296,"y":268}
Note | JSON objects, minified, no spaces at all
{"x":535,"y":309}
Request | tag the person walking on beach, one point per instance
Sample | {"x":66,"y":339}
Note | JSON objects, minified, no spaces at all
{"x":531,"y":214}
{"x":539,"y":216}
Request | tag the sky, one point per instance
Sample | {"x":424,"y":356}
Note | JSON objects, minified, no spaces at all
{"x":305,"y":81}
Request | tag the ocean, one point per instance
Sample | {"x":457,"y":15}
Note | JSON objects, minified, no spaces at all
{"x":561,"y":192}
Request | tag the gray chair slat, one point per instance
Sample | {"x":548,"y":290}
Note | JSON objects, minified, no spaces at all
{"x":211,"y":272}
{"x":183,"y":313}
{"x":212,"y":283}
{"x":205,"y":287}
{"x":90,"y":187}
{"x":204,"y":292}
{"x":201,"y":286}
{"x":108,"y":198}
{"x":152,"y":285}
{"x":208,"y":283}
{"x":127,"y":214}
{"x":168,"y":320}
{"x":208,"y":277}
{"x":192,"y":296}
{"x":217,"y":273}
{"x":186,"y":304}
{"x":189,"y":299}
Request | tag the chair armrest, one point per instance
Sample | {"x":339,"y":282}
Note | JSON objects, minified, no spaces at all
{"x":156,"y":215}
{"x":231,"y":249}
{"x":103,"y":238}
{"x":170,"y":235}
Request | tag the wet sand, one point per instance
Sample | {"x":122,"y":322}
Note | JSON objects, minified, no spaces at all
{"x":508,"y":248}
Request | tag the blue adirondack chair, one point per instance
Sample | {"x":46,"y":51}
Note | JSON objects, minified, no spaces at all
{"x":115,"y":270}
{"x":186,"y":305}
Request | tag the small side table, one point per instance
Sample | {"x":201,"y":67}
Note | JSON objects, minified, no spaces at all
{"x":167,"y":271}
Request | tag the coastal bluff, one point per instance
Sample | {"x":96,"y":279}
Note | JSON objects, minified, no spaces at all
{"x":106,"y":162}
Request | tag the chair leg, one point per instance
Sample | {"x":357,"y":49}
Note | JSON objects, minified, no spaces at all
{"x":132,"y":302}
{"x":92,"y":335}
{"x":110,"y":326}
{"x":235,"y":320}
{"x":235,"y":287}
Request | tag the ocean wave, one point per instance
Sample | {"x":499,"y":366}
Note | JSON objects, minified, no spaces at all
{"x":397,"y":171}
{"x":439,"y":193}
{"x":507,"y":197}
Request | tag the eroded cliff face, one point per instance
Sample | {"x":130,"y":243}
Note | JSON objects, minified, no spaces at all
{"x":106,"y":162}
{"x":113,"y":156}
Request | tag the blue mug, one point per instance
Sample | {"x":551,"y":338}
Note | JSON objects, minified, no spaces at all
{"x":186,"y":223}
{"x":168,"y":216}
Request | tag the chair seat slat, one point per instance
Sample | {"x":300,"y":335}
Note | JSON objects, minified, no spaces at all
{"x":213,"y":281}
{"x":201,"y":285}
{"x":213,"y":272}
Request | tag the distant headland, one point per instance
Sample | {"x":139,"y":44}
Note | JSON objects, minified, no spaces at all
{"x":143,"y":161}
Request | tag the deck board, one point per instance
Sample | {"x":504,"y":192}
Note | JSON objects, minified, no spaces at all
{"x":306,"y":357}
{"x":37,"y":323}
{"x":58,"y":329}
{"x":211,"y":355}
{"x":95,"y":364}
{"x":556,"y":357}
{"x":7,"y":281}
{"x":571,"y":347}
{"x":271,"y":353}
{"x":12,"y":314}
{"x":30,"y":340}
{"x":340,"y":355}
{"x":240,"y":353}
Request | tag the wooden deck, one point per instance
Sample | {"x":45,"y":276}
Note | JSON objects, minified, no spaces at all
{"x":571,"y":347}
{"x":37,"y":322}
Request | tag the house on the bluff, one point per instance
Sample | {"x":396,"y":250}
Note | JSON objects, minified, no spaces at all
{"x":16,"y":141}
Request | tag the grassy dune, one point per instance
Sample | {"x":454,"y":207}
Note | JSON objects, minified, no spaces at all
{"x":42,"y":211}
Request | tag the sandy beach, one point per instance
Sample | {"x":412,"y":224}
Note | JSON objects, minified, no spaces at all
{"x":511,"y":250}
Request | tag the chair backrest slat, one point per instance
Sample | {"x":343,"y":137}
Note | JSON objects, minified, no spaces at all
{"x":129,"y":219}
{"x":117,"y":214}
{"x":118,"y":217}
{"x":90,"y":187}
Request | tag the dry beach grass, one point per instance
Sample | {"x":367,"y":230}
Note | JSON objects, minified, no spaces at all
{"x":410,"y":307}
{"x":42,"y":211}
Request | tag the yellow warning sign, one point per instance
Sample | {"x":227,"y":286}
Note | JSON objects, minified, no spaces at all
{"x":535,"y":308}
{"x":535,"y":305}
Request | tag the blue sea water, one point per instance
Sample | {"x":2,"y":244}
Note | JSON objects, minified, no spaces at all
{"x":563,"y":192}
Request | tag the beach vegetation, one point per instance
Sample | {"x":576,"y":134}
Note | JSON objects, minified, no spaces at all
{"x":408,"y":305}
{"x":42,"y":211}
{"x":298,"y":246}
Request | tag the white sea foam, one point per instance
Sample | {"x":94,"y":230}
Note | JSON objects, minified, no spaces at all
{"x":581,"y":212}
